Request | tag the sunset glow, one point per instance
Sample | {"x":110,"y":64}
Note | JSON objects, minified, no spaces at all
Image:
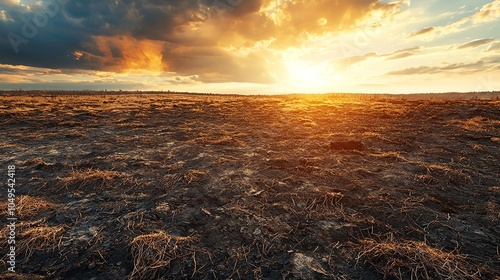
{"x":243,"y":46}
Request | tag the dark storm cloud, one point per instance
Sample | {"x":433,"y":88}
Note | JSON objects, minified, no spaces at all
{"x":76,"y":23}
{"x":184,"y":37}
{"x":102,"y":31}
{"x":41,"y":39}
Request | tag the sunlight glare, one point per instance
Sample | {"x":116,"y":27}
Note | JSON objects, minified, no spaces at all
{"x":308,"y":74}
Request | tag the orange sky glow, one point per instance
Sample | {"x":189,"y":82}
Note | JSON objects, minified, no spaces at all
{"x":251,"y":47}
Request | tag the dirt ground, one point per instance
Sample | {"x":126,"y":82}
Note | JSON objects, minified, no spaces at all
{"x":142,"y":186}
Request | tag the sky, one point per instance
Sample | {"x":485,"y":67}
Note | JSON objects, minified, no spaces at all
{"x":251,"y":47}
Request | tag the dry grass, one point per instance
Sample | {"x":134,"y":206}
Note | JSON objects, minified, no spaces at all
{"x":154,"y":252}
{"x":39,"y":162}
{"x":28,"y":206}
{"x":41,"y":238}
{"x":416,"y":260}
{"x":194,"y":176}
{"x":434,"y":172}
{"x":477,"y":124}
{"x":254,"y":179}
{"x":92,"y":179}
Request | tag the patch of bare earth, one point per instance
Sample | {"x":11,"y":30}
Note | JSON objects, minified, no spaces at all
{"x":229,"y":187}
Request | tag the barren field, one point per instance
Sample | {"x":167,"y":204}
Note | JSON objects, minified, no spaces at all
{"x":235,"y":187}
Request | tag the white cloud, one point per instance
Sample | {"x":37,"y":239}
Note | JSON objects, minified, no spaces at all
{"x":12,"y":2}
{"x":5,"y":17}
{"x":489,"y":12}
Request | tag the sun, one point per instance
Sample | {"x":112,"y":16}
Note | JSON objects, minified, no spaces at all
{"x":309,"y":74}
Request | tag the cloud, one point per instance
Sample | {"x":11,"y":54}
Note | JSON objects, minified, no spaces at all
{"x":217,"y":43}
{"x":345,"y":63}
{"x":294,"y":20}
{"x":4,"y":17}
{"x":487,"y":63}
{"x":489,"y":12}
{"x":43,"y":85}
{"x":494,"y":47}
{"x":121,"y":53}
{"x":422,"y":31}
{"x":14,"y":77}
{"x":11,"y":2}
{"x":214,"y":65}
{"x":475,"y":43}
{"x":402,"y":53}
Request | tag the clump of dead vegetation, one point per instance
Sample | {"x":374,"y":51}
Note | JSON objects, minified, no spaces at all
{"x":35,"y":236}
{"x":436,"y":172}
{"x":191,"y":177}
{"x":93,"y":179}
{"x":479,"y":124}
{"x":417,"y":260}
{"x":28,"y":206}
{"x":39,"y":163}
{"x":154,"y":252}
{"x":40,"y":238}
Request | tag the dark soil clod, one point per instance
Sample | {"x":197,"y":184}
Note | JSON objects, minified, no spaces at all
{"x":347,"y":146}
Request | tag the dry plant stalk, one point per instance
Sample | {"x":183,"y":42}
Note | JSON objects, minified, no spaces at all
{"x":42,"y":238}
{"x":414,"y":259}
{"x":479,"y":124}
{"x":94,"y":179}
{"x":153,"y":252}
{"x":194,"y":176}
{"x":28,"y":206}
